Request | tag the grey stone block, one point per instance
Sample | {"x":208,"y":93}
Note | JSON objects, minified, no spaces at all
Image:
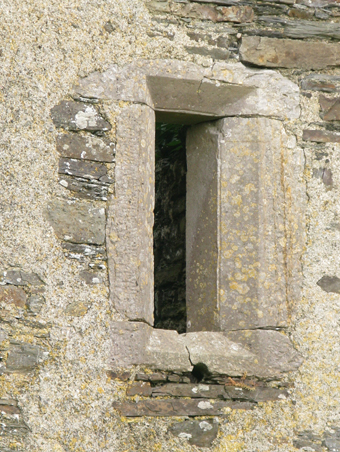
{"x":289,"y":53}
{"x":71,"y":115}
{"x":199,"y":433}
{"x":86,"y":147}
{"x":20,"y":278}
{"x":321,"y":82}
{"x":35,"y":303}
{"x":23,"y":357}
{"x":78,"y":222}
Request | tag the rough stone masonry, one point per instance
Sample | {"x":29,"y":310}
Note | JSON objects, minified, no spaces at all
{"x":59,"y":391}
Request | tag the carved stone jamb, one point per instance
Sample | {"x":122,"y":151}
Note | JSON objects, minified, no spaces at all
{"x":244,"y":250}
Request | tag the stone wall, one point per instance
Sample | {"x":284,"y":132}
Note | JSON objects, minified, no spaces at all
{"x":57,"y":388}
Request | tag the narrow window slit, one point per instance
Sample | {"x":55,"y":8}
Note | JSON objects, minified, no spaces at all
{"x":169,"y":227}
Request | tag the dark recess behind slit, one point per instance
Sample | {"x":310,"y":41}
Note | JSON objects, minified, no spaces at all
{"x":169,"y":228}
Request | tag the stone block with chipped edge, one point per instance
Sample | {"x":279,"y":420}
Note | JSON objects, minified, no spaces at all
{"x":243,"y":91}
{"x":77,"y":222}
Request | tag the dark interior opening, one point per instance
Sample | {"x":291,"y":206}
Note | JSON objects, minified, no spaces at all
{"x":200,"y":372}
{"x":169,"y":227}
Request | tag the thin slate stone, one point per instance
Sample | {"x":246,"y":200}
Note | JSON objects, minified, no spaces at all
{"x":186,"y":407}
{"x":320,"y":82}
{"x":329,"y":284}
{"x":321,"y":136}
{"x":79,"y":251}
{"x":216,"y":54}
{"x":79,"y":168}
{"x":84,"y":188}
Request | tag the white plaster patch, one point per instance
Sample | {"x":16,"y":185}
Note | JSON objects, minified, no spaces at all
{"x":87,"y":118}
{"x":205,"y":405}
{"x":185,"y":435}
{"x":205,"y":426}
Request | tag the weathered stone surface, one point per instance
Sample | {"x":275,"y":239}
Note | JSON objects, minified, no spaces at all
{"x":90,"y":278}
{"x":142,"y":388}
{"x":235,"y":222}
{"x":13,"y":295}
{"x":35,"y":303}
{"x":271,"y":52}
{"x":329,"y":284}
{"x":330,"y":108}
{"x":199,"y":433}
{"x":157,"y":377}
{"x":321,"y":82}
{"x":219,"y":354}
{"x":321,"y":136}
{"x":130,"y":249}
{"x":23,"y":357}
{"x":80,"y":251}
{"x":20,"y":278}
{"x":86,"y":147}
{"x":180,"y":87}
{"x":77,"y":309}
{"x":216,"y":54}
{"x":78,"y":222}
{"x":77,"y":116}
{"x":197,"y":407}
{"x":84,"y":188}
{"x":136,"y":343}
{"x":220,"y":41}
{"x":274,"y":351}
{"x":274,"y":96}
{"x":79,"y":168}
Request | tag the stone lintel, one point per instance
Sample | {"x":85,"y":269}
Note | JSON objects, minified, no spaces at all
{"x":224,"y":89}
